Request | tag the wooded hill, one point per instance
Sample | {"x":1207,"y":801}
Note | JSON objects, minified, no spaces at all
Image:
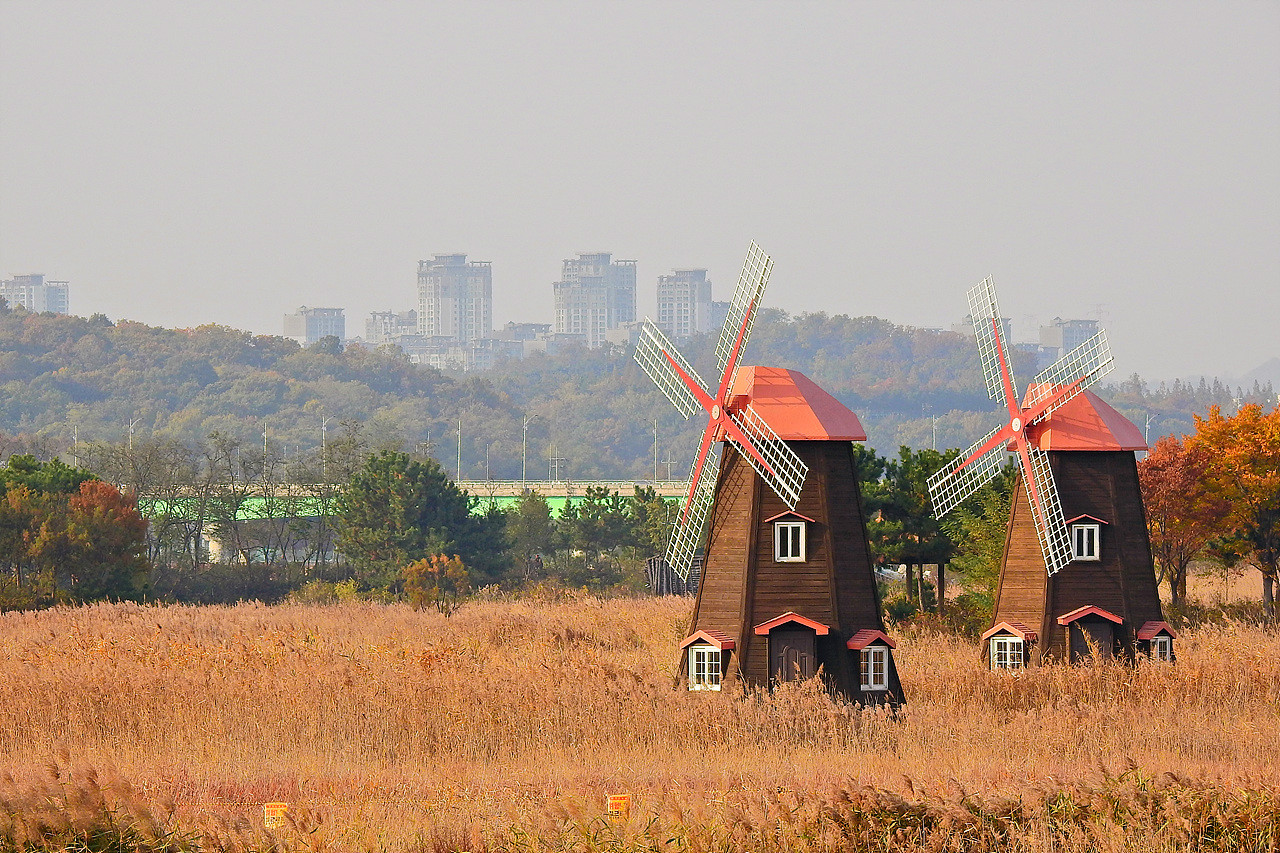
{"x":69,"y":379}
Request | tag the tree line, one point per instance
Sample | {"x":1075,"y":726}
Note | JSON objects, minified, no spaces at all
{"x":392,"y":522}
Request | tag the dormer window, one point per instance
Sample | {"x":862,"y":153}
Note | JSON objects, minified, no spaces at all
{"x":873,"y":648}
{"x":1156,"y":639}
{"x":789,"y":537}
{"x":708,"y":656}
{"x":1008,"y":644}
{"x":1086,"y":538}
{"x":705,"y":669}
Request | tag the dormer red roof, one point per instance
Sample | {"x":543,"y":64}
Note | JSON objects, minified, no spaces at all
{"x":791,"y":616}
{"x":1086,"y":422}
{"x":1150,"y":630}
{"x":719,"y":639}
{"x":866,"y":637}
{"x":794,"y":406}
{"x":1018,"y":629}
{"x":1088,"y":610}
{"x":1086,"y":518}
{"x":789,"y":514}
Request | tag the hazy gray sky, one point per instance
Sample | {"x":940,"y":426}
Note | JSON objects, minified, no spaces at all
{"x":225,"y":162}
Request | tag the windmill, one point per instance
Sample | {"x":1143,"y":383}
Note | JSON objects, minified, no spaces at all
{"x":787,"y":584}
{"x":1060,"y":590}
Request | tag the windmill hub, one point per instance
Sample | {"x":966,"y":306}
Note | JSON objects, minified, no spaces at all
{"x":715,"y":411}
{"x":1016,"y":426}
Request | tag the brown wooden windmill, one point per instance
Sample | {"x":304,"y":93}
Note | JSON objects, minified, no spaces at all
{"x":787,"y":585}
{"x":1076,"y":577}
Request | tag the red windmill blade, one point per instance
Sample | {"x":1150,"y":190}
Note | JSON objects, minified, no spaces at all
{"x":1055,"y":386}
{"x":727,"y":419}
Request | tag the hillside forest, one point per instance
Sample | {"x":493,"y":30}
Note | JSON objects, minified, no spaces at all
{"x":66,"y":381}
{"x":291,"y":457}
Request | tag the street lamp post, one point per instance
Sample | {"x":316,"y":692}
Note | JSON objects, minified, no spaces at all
{"x":524,"y":448}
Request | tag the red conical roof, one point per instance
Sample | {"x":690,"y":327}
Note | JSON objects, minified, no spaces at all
{"x":1086,"y":423}
{"x":794,"y":406}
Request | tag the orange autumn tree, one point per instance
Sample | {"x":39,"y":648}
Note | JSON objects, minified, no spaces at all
{"x":66,"y":537}
{"x":1242,"y":459}
{"x":437,"y":581}
{"x":1182,"y":514}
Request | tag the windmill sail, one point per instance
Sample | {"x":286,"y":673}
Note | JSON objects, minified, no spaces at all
{"x":950,"y":487}
{"x":687,"y":533}
{"x":985,"y":313}
{"x":655,"y":355}
{"x":742,"y":311}
{"x":782,"y":469}
{"x":1046,"y":509}
{"x":1075,"y":371}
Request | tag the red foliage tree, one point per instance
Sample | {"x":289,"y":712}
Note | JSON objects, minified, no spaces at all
{"x":1182,"y":515}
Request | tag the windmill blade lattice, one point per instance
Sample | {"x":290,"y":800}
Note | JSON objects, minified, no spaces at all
{"x":1076,"y":371}
{"x":985,"y":313}
{"x":752,"y":281}
{"x":950,"y":487}
{"x":1051,"y":526}
{"x":786,"y":471}
{"x":683,"y":544}
{"x":652,"y":351}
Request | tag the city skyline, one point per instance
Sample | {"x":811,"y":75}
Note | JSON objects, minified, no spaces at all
{"x":185,"y":165}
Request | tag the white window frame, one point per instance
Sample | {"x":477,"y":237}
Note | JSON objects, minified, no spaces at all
{"x":784,"y":542}
{"x":1162,"y":647}
{"x":1007,"y":652}
{"x":875,"y":667}
{"x":706,"y":667}
{"x":1082,"y":536}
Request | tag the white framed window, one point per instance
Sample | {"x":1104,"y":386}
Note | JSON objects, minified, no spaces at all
{"x":875,"y":668}
{"x":704,"y":667}
{"x":1162,"y":648}
{"x":788,"y":541}
{"x":1006,"y":652}
{"x":1085,"y":540}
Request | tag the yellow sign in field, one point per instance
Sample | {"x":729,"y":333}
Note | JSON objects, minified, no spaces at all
{"x":273,"y":814}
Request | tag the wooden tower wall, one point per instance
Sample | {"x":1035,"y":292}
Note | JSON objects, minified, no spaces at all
{"x":1102,"y":484}
{"x":742,"y":586}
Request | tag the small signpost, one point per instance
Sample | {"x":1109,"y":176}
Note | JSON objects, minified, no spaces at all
{"x":619,"y":806}
{"x":273,"y":814}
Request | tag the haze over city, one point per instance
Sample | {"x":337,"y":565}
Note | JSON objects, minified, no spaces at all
{"x":184,"y":164}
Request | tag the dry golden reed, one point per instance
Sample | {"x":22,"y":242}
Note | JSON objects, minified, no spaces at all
{"x":506,"y":725}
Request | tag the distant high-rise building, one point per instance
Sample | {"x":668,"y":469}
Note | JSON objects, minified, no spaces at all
{"x":385,"y":327}
{"x":1066,"y":335}
{"x":595,"y":294}
{"x":684,"y":303}
{"x":965,"y":327}
{"x":309,"y":325}
{"x":35,"y":294}
{"x":455,"y":298}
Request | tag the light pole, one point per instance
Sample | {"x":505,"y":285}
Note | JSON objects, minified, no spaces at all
{"x":655,"y":451}
{"x":133,"y":423}
{"x":524,"y":448}
{"x":324,"y":450}
{"x":459,"y":447}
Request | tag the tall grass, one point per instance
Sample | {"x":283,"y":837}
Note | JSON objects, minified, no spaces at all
{"x":507,"y":724}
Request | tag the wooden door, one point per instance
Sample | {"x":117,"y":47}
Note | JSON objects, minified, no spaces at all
{"x":1098,"y":632}
{"x":792,"y":654}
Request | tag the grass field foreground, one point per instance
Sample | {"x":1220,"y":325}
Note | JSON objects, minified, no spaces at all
{"x":506,"y":726}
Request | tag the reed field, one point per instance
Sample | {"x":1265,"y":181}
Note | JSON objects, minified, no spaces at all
{"x":507,"y":724}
